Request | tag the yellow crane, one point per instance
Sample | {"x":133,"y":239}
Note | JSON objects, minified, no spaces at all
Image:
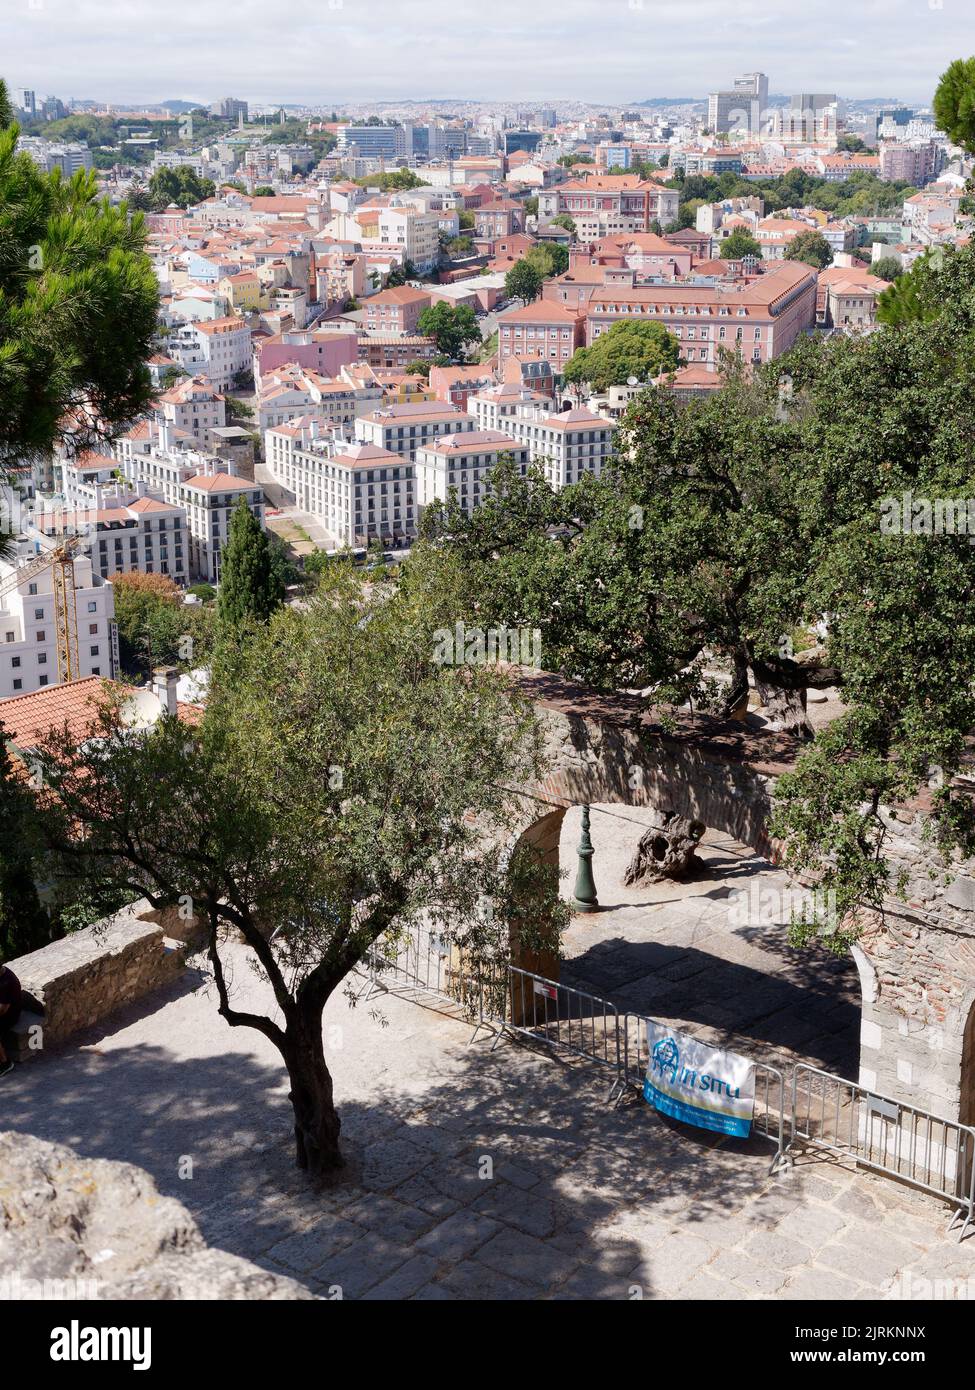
{"x":60,"y":560}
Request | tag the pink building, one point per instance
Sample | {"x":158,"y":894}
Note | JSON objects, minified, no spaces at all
{"x":396,"y":310}
{"x":319,"y":349}
{"x":543,"y":329}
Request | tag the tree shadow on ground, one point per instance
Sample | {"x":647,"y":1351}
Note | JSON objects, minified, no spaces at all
{"x":502,"y":1174}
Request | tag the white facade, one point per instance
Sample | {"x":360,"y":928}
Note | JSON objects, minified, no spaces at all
{"x":28,"y":630}
{"x":565,"y":446}
{"x":461,"y":464}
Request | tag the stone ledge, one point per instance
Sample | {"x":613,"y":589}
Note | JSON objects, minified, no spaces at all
{"x":76,"y":982}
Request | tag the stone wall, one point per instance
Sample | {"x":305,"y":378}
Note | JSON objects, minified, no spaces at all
{"x":82,"y":979}
{"x":73,"y":1227}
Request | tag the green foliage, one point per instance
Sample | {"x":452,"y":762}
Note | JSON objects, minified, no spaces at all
{"x":523,"y":281}
{"x":550,"y":259}
{"x":812,"y":248}
{"x":453,"y":327}
{"x":641,"y":350}
{"x":862,"y":194}
{"x":564,"y":220}
{"x":392,"y":181}
{"x":156,"y":628}
{"x":6,"y":108}
{"x":251,"y":586}
{"x":78,"y":309}
{"x":24,"y":924}
{"x":206,"y":593}
{"x":729,"y":523}
{"x":264,"y":191}
{"x":181,"y":186}
{"x":887,"y":268}
{"x":954,"y":103}
{"x":914,"y":297}
{"x":344,"y":787}
{"x":739,"y":244}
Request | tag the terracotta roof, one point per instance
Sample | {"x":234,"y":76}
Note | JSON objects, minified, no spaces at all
{"x":218,"y":482}
{"x":28,"y":718}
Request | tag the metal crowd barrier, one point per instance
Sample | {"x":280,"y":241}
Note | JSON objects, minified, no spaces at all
{"x":886,"y":1136}
{"x":558,"y":1016}
{"x":768,"y":1116}
{"x":825,"y":1111}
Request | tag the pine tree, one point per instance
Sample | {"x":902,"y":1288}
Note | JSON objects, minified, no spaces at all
{"x":250,"y":585}
{"x":24,"y":925}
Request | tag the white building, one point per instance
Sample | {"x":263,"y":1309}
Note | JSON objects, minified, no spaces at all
{"x":565,"y":445}
{"x":361,"y":492}
{"x":402,"y":429}
{"x":219,"y":349}
{"x":209,"y":499}
{"x":461,"y":464}
{"x":28,"y":626}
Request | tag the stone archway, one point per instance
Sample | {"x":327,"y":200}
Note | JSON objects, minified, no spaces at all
{"x":917,"y":965}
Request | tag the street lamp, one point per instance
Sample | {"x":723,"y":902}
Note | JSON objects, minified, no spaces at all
{"x":585,"y":899}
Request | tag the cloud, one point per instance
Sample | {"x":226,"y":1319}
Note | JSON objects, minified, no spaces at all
{"x":604,"y":51}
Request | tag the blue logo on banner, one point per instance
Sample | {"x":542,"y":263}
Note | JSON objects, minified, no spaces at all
{"x":665,"y":1064}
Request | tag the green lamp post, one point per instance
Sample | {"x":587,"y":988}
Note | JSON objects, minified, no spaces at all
{"x":585,"y":899}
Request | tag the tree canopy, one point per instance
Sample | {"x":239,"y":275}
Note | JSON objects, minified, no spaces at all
{"x":343,"y":783}
{"x":745,"y":533}
{"x":452,"y":326}
{"x":810,"y":247}
{"x":740,"y":244}
{"x":250,"y":587}
{"x":78,"y":310}
{"x":640,"y":350}
{"x":954,"y":102}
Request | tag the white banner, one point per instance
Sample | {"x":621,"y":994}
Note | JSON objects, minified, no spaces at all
{"x":699,"y":1084}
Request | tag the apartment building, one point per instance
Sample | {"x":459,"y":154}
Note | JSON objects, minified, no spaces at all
{"x":607,"y":205}
{"x":396,"y":310}
{"x":415,"y":233}
{"x":28,"y":627}
{"x":545,"y":329}
{"x":846,"y":299}
{"x":209,"y":499}
{"x":918,"y":163}
{"x":125,"y":533}
{"x":462,"y":463}
{"x":195,"y":407}
{"x":565,"y":445}
{"x":320,"y":349}
{"x":361,"y":491}
{"x":402,"y":429}
{"x":758,"y":317}
{"x":219,"y":349}
{"x":291,"y":391}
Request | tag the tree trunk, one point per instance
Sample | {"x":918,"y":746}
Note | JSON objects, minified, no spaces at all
{"x":317,"y":1123}
{"x":785,"y":709}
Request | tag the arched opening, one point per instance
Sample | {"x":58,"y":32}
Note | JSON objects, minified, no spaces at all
{"x":708,"y":951}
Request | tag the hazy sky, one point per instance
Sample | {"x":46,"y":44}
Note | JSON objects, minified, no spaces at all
{"x":592,"y":50}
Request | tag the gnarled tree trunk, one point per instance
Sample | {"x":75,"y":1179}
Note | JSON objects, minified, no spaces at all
{"x":666,"y":849}
{"x":317,"y":1124}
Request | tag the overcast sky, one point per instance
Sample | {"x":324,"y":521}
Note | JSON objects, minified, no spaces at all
{"x":526,"y":50}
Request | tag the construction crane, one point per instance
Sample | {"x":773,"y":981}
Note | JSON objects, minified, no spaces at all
{"x":60,"y":560}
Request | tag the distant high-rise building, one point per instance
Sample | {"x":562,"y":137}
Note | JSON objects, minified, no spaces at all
{"x":28,"y":101}
{"x":740,"y":109}
{"x":229,"y":109}
{"x":528,"y":140}
{"x":373,"y":141}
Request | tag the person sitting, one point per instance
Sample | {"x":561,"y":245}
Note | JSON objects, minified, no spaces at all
{"x":11,"y":1002}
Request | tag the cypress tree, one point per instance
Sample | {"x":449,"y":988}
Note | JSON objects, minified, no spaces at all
{"x":250,"y":587}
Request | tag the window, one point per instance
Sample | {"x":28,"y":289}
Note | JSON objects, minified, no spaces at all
{"x":43,"y":680}
{"x":39,"y":613}
{"x":93,"y":651}
{"x":92,"y":606}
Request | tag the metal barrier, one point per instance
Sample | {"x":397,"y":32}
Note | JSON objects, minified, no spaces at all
{"x":768,"y":1116}
{"x":422,"y":961}
{"x":887,"y":1136}
{"x":558,"y":1016}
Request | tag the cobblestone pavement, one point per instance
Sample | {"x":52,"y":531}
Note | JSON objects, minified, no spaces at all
{"x":710,"y":956}
{"x":473,"y":1174}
